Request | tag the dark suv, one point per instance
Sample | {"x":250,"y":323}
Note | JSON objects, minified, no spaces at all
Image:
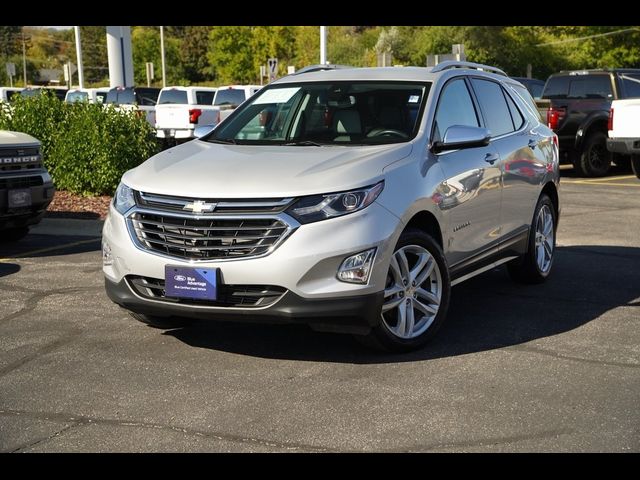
{"x":579,"y":111}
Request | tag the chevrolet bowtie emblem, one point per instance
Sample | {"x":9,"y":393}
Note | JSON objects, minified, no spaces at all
{"x":199,"y":206}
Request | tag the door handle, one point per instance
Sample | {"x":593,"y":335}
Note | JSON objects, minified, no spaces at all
{"x":491,"y":158}
{"x":533,"y":144}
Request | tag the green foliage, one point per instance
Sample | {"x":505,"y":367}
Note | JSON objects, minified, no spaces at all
{"x":230,"y":54}
{"x":194,"y":54}
{"x":145,"y":44}
{"x":86,"y":147}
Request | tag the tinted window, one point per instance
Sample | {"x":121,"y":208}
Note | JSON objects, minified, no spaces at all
{"x":31,"y":92}
{"x":11,"y":93}
{"x":590,"y":86}
{"x":455,"y":107}
{"x":204,"y":98}
{"x":516,"y":116}
{"x":556,"y":87}
{"x":173,"y":96}
{"x":536,"y":89}
{"x":631,"y":85}
{"x":494,"y":106}
{"x":121,"y":97}
{"x":229,"y":96}
{"x":147,"y":96}
{"x":101,"y":96}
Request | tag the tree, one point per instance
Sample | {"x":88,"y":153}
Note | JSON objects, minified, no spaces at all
{"x":10,"y":41}
{"x":230,"y":54}
{"x":195,"y":42}
{"x":145,"y":44}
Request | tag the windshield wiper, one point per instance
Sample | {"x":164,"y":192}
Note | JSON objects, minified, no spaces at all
{"x":303,"y":143}
{"x":226,"y":141}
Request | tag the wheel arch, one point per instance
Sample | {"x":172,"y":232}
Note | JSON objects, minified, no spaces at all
{"x":552,"y":191}
{"x":595,"y":122}
{"x":428,"y":223}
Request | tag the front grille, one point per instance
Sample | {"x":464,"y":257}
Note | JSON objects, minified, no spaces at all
{"x":246,"y":296}
{"x":16,"y":159}
{"x":20,"y":182}
{"x":212,"y":238}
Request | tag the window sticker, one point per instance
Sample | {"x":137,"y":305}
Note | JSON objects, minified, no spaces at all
{"x":276,"y":95}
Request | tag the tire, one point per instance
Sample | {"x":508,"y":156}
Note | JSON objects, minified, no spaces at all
{"x":528,"y":269}
{"x":13,"y":234}
{"x":595,"y":159}
{"x":161,"y":322}
{"x":635,"y":165}
{"x":418,"y":248}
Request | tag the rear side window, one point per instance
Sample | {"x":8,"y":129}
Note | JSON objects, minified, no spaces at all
{"x":631,"y":85}
{"x":590,"y":86}
{"x":556,"y":87}
{"x":204,"y":98}
{"x":532,"y":110}
{"x":229,"y":97}
{"x":147,"y":96}
{"x":494,"y":106}
{"x":172,"y":96}
{"x":516,"y":116}
{"x":11,"y":93}
{"x":121,"y":97}
{"x":77,"y":97}
{"x":455,"y":107}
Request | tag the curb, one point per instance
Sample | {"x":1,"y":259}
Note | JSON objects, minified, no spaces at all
{"x":68,"y":227}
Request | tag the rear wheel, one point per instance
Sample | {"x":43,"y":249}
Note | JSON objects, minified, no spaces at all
{"x":535,"y":265}
{"x":416,"y":296}
{"x":635,"y":165}
{"x":595,"y":159}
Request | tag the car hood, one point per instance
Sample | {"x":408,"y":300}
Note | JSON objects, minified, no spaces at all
{"x":17,"y":138}
{"x":208,"y":170}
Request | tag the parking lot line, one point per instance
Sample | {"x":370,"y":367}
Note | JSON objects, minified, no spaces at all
{"x":601,"y":182}
{"x":619,"y":177}
{"x":48,"y":249}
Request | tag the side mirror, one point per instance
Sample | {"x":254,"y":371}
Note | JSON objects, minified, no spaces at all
{"x":202,"y":130}
{"x":460,"y":136}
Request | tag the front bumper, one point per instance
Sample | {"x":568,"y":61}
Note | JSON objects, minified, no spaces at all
{"x":625,"y":146}
{"x":41,"y":196}
{"x":356,"y":314}
{"x":305,"y":264}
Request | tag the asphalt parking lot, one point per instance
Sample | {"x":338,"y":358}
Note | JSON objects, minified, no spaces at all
{"x":554,"y":367}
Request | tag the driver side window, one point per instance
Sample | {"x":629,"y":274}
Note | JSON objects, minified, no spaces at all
{"x":455,"y":107}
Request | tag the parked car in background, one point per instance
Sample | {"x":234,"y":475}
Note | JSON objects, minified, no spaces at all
{"x":7,"y":93}
{"x":348,"y":199}
{"x":91,"y":95}
{"x":181,"y":109}
{"x":534,"y":86}
{"x":59,"y":92}
{"x":26,"y":188}
{"x":143,"y":99}
{"x":624,"y":129}
{"x":229,"y":97}
{"x":579,"y":112}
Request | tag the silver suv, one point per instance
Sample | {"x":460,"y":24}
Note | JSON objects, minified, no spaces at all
{"x":350,"y":199}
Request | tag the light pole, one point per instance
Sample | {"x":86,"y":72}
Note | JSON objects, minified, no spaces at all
{"x":323,"y":45}
{"x":164,"y":78}
{"x":24,"y":60}
{"x":79,"y":57}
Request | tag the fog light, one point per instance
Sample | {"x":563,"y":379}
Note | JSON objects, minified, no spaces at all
{"x":107,"y":259}
{"x":356,"y":268}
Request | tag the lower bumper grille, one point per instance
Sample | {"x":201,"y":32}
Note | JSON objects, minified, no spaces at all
{"x":246,"y":296}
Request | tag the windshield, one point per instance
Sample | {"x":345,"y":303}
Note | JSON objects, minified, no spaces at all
{"x":327,"y":113}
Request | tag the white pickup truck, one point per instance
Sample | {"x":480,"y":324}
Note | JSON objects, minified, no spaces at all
{"x":624,"y":130}
{"x":181,"y":109}
{"x":229,"y":97}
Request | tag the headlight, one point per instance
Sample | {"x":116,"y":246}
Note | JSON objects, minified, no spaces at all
{"x":124,"y":199}
{"x":320,"y":207}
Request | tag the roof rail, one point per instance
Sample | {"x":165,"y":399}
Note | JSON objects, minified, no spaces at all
{"x":456,"y":64}
{"x":320,"y":67}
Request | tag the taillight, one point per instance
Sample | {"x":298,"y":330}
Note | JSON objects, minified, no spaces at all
{"x":610,"y":123}
{"x":194,"y":114}
{"x":554,"y":116}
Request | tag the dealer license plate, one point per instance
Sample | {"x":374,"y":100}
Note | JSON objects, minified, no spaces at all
{"x":188,"y":282}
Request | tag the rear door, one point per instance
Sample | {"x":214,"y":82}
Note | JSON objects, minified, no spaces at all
{"x":471,"y":193}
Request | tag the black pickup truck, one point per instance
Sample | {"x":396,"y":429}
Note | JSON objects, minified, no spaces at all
{"x":579,"y":103}
{"x":26,"y":188}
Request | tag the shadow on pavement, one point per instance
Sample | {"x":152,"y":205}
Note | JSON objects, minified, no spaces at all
{"x":487,"y":312}
{"x":8,"y":269}
{"x":37,"y":245}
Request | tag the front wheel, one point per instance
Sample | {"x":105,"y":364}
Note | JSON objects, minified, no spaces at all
{"x":535,"y":265}
{"x":416,"y":295}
